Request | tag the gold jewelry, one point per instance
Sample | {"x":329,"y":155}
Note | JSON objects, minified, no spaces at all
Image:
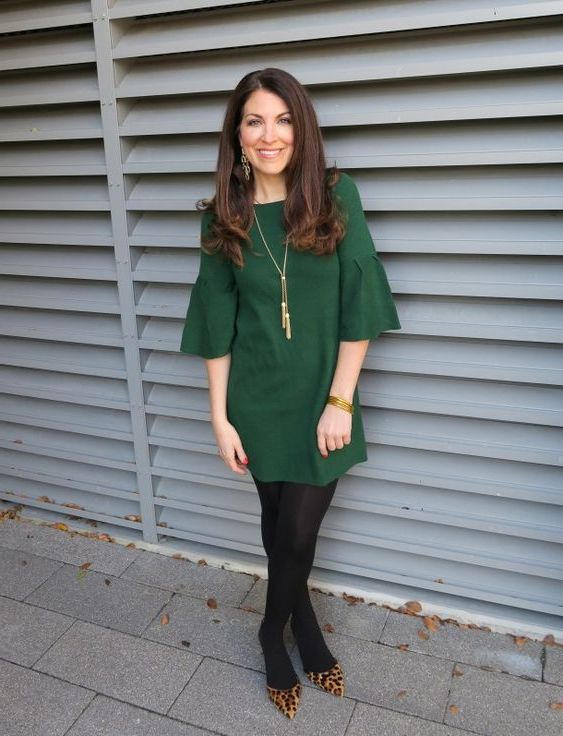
{"x":342,"y":403}
{"x":284,"y":310}
{"x":245,"y":166}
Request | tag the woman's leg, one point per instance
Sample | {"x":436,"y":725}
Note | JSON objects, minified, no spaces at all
{"x":300,"y":510}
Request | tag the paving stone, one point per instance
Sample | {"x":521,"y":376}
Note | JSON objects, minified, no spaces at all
{"x":553,"y":671}
{"x":363,"y":621}
{"x":34,"y":704}
{"x":473,"y":646}
{"x":108,"y":717}
{"x":401,"y":680}
{"x":100,"y":598}
{"x":368,"y":720}
{"x":225,"y":632}
{"x":126,"y":667}
{"x":496,"y":704}
{"x":22,"y":572}
{"x":233,"y":701}
{"x":27,"y":631}
{"x":71,"y":547}
{"x":184,"y":576}
{"x":10,"y":533}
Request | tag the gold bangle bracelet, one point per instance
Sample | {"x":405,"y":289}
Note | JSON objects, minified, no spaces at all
{"x":342,"y":403}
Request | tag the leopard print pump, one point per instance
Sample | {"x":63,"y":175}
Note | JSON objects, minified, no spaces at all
{"x":332,"y":681}
{"x":286,"y":700}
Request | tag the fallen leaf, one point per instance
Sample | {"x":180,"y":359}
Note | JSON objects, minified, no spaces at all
{"x":454,"y":709}
{"x":185,"y":643}
{"x":164,"y":619}
{"x":177,"y":556}
{"x":107,"y":581}
{"x":61,"y":526}
{"x":73,"y":506}
{"x":402,"y":693}
{"x":438,"y":580}
{"x":352,"y":599}
{"x":423,"y":634}
{"x":328,"y":627}
{"x":212,"y":603}
{"x":520,"y":641}
{"x":84,"y":565}
{"x":133,"y":517}
{"x":556,"y":706}
{"x":403,"y":647}
{"x":456,"y":672}
{"x":413,"y":606}
{"x":202,"y":562}
{"x":432,"y":622}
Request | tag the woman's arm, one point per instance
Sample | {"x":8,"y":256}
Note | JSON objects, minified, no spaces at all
{"x":218,"y":376}
{"x":227,"y":437}
{"x":351,"y":356}
{"x":334,"y":429}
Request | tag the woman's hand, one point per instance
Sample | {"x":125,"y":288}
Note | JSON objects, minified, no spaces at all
{"x":230,"y":446}
{"x":334,"y":429}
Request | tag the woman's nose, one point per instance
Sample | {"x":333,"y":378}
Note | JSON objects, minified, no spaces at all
{"x":269,"y":133}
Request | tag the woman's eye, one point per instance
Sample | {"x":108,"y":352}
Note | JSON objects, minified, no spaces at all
{"x":286,"y":120}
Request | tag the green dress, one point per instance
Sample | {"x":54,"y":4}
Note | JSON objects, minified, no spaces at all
{"x":278,"y":387}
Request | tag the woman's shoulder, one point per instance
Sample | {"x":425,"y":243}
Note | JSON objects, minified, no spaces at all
{"x":345,"y":187}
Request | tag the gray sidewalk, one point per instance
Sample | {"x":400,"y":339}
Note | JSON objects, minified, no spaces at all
{"x":100,"y":639}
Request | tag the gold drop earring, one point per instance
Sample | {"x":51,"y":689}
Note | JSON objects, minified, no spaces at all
{"x":245,"y":165}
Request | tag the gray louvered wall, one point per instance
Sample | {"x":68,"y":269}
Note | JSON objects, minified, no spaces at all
{"x":447,"y":115}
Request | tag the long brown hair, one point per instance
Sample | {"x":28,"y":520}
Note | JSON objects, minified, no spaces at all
{"x":312,"y":219}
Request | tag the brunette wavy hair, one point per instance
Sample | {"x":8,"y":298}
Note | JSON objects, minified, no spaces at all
{"x":313,"y":219}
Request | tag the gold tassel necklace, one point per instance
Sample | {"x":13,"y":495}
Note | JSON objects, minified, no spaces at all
{"x":284,"y":306}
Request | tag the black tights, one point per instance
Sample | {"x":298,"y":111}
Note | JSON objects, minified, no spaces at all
{"x":291,"y":517}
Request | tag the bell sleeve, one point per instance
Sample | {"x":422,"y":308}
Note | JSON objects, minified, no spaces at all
{"x":210,"y":322}
{"x":367,"y":307}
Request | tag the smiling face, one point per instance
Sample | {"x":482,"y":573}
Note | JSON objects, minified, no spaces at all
{"x":266,"y":133}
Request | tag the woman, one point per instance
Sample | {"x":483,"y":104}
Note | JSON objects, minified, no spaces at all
{"x":289,"y":292}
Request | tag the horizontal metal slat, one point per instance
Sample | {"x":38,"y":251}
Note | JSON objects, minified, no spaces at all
{"x":397,"y":56}
{"x":62,"y":390}
{"x":53,"y":158}
{"x":80,"y":327}
{"x":32,"y":16}
{"x":77,"y":295}
{"x":474,"y":97}
{"x":49,"y":87}
{"x":43,"y":50}
{"x":465,"y":435}
{"x":509,"y":402}
{"x":81,"y":122}
{"x":58,"y":262}
{"x":488,"y":360}
{"x":84,"y":360}
{"x":82,"y":475}
{"x":63,"y":193}
{"x":461,"y":472}
{"x":267,"y":24}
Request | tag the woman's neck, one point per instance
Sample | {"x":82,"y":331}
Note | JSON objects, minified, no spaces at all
{"x":271,"y":189}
